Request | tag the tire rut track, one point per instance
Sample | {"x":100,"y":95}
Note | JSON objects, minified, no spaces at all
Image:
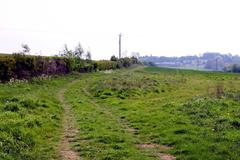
{"x":158,"y":150}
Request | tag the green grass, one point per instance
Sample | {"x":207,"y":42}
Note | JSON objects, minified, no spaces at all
{"x":195,"y":114}
{"x":177,"y":108}
{"x":102,"y":135}
{"x":30,"y":119}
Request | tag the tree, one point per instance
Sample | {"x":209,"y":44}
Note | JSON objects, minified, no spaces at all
{"x":88,"y":55}
{"x":67,"y":52}
{"x":134,"y":60}
{"x":235,"y":68}
{"x":26,"y":48}
{"x":113,"y":58}
{"x":78,"y":51}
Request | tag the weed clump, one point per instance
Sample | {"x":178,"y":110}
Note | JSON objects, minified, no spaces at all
{"x":126,"y":86}
{"x":11,"y":106}
{"x":211,"y":112}
{"x":15,"y":104}
{"x":28,"y":103}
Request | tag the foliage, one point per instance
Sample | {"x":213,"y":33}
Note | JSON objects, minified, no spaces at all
{"x":21,"y":66}
{"x":106,"y":65}
{"x":113,"y":58}
{"x":233,"y":68}
{"x":88,"y":56}
{"x":7,"y":64}
{"x":26,"y":48}
{"x":79,"y":51}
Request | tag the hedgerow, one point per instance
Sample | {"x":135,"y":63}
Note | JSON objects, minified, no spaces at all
{"x":22,"y":66}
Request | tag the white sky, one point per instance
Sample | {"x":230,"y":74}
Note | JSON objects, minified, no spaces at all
{"x":157,"y":27}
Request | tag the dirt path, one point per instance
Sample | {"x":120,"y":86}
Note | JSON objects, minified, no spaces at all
{"x":69,"y":129}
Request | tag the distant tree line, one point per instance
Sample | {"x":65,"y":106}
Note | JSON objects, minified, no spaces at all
{"x":21,"y":65}
{"x":208,"y":60}
{"x":235,"y":68}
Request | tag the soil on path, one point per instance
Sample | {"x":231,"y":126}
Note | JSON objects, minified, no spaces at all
{"x":69,"y":129}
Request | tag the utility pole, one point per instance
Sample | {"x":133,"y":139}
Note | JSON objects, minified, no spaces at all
{"x":120,"y":36}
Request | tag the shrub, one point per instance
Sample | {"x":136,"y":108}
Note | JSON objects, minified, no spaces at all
{"x":7,"y":64}
{"x":21,"y":66}
{"x":24,"y":65}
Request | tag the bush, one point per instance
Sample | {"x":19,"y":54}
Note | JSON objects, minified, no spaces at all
{"x":21,"y":66}
{"x":24,"y":65}
{"x":7,"y":64}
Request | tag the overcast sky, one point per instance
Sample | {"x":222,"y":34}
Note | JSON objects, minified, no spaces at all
{"x":157,"y":27}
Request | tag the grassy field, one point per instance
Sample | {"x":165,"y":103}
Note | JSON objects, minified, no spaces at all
{"x":137,"y":113}
{"x":30,"y":118}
